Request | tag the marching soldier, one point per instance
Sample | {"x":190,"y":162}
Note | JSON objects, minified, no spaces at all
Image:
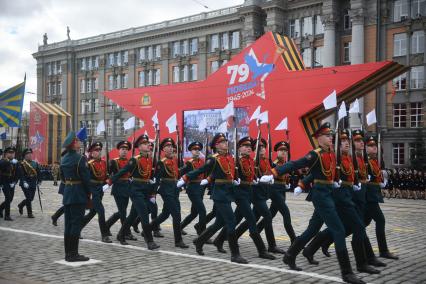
{"x":374,"y":197}
{"x":139,"y":170}
{"x":121,"y":189}
{"x":55,"y":172}
{"x":194,"y":190}
{"x":221,"y":167}
{"x":30,"y":179}
{"x":322,"y":164}
{"x":243,"y":199}
{"x":278,"y":191}
{"x":76,"y":174}
{"x":167,"y":173}
{"x":98,"y":176}
{"x":9,"y":176}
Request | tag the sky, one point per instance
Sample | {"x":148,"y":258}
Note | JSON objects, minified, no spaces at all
{"x":23,"y":23}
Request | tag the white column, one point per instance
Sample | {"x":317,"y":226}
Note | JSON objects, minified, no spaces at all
{"x":329,"y":51}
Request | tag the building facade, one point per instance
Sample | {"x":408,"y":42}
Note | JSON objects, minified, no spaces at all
{"x":74,"y":73}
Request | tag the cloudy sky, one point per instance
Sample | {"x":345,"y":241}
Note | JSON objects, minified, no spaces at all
{"x":23,"y":23}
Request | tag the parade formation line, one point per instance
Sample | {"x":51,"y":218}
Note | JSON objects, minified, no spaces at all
{"x":256,"y":266}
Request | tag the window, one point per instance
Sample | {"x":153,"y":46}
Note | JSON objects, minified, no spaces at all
{"x":307,"y":26}
{"x":319,"y":28}
{"x":400,"y":82}
{"x":399,"y":44}
{"x":118,"y":125}
{"x":111,"y":59}
{"x":214,"y":42}
{"x":176,"y":47}
{"x":214,"y":66}
{"x":110,"y":82}
{"x":142,"y":54}
{"x":125,"y":57}
{"x":295,"y":28}
{"x":96,"y":62}
{"x":235,"y":38}
{"x":347,"y":23}
{"x":157,"y":77}
{"x":307,"y":57}
{"x":224,"y":45}
{"x":88,"y":63}
{"x":418,"y":8}
{"x":49,"y":69}
{"x":157,"y":51}
{"x":95,"y":105}
{"x":54,"y":68}
{"x":400,"y":10}
{"x":194,"y":75}
{"x":59,"y":67}
{"x":85,"y":106}
{"x":194,"y":46}
{"x":89,"y":86}
{"x":318,"y":56}
{"x":124,"y":79}
{"x":141,"y":78}
{"x":59,"y":88}
{"x":150,"y":74}
{"x":418,"y":42}
{"x":185,"y":47}
{"x":413,"y":149}
{"x":398,"y":153}
{"x":347,"y":52}
{"x":417,"y":77}
{"x":109,"y":126}
{"x":117,"y":59}
{"x":117,"y":82}
{"x":185,"y":73}
{"x":82,"y":86}
{"x":150,"y":53}
{"x":49,"y":88}
{"x":416,"y":114}
{"x":95,"y":84}
{"x":176,"y":74}
{"x":399,"y":115}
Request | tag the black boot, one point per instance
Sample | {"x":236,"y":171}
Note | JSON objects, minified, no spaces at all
{"x":21,"y":207}
{"x":310,"y":250}
{"x":66,"y":247}
{"x":260,"y":246}
{"x":371,"y":257}
{"x":178,"y":237}
{"x":383,"y":248}
{"x":272,"y":245}
{"x":158,"y":234}
{"x":73,"y":255}
{"x":121,"y":238}
{"x":148,"y":237}
{"x":346,"y":269}
{"x":7,"y":214}
{"x":30,"y":210}
{"x":235,"y":250}
{"x":201,"y":240}
{"x":55,"y":216}
{"x":326,"y":245}
{"x":291,"y":254}
{"x":385,"y":254}
{"x":361,"y":259}
{"x":104,"y":231}
{"x":111,"y":221}
{"x":135,"y":225}
{"x":219,"y":240}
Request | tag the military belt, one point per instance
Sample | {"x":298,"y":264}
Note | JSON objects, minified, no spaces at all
{"x":195,"y":181}
{"x":124,"y":179}
{"x":347,"y":183}
{"x":280,"y":182}
{"x":169,"y":179}
{"x":243,"y":182}
{"x":223,"y":181}
{"x":97,"y":181}
{"x":143,"y":180}
{"x":72,"y":182}
{"x":323,"y":181}
{"x":373,"y":183}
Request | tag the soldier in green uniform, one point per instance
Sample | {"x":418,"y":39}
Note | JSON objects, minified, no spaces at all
{"x":140,"y":170}
{"x":9,"y":176}
{"x":374,"y":197}
{"x":30,"y":179}
{"x":167,"y":173}
{"x":76,"y":175}
{"x":221,"y":170}
{"x":98,"y":176}
{"x":322,"y":164}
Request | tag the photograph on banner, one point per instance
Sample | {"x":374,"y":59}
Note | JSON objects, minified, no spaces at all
{"x":212,"y":120}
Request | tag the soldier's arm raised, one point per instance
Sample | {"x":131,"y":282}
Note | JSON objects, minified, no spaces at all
{"x":129,"y":167}
{"x":307,"y":161}
{"x":206,"y":168}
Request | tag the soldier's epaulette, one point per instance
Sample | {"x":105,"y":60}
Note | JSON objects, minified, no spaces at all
{"x":91,"y":161}
{"x":215,"y":155}
{"x":190,"y":160}
{"x":317,"y":150}
{"x":276,"y":162}
{"x":116,"y":159}
{"x":163,"y":159}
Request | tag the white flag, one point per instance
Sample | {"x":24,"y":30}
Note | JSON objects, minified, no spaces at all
{"x":371,"y":117}
{"x":130,"y":123}
{"x":354,"y":107}
{"x":330,"y":101}
{"x":223,"y":127}
{"x":100,"y":127}
{"x":342,"y":111}
{"x":203,"y":124}
{"x":283,"y":125}
{"x":171,"y":123}
{"x":155,"y":118}
{"x":255,"y":114}
{"x":227,"y":111}
{"x":263,"y":117}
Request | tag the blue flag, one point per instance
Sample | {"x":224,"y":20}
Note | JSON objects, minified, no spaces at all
{"x":82,"y":134}
{"x":3,"y":136}
{"x":11,"y":102}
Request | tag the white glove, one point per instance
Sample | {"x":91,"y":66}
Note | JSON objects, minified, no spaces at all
{"x":287,"y":186}
{"x":204,"y":182}
{"x":152,"y":181}
{"x":267,"y":179}
{"x":236,"y":182}
{"x":356,"y":187}
{"x":12,"y":185}
{"x":368,"y":178}
{"x":382,"y":185}
{"x":298,"y":190}
{"x":180,"y":183}
{"x":106,"y":187}
{"x":14,"y":161}
{"x":336,"y":184}
{"x":152,"y":199}
{"x":26,"y":185}
{"x":256,"y":181}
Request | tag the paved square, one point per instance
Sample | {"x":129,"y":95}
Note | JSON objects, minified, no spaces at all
{"x":30,"y":248}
